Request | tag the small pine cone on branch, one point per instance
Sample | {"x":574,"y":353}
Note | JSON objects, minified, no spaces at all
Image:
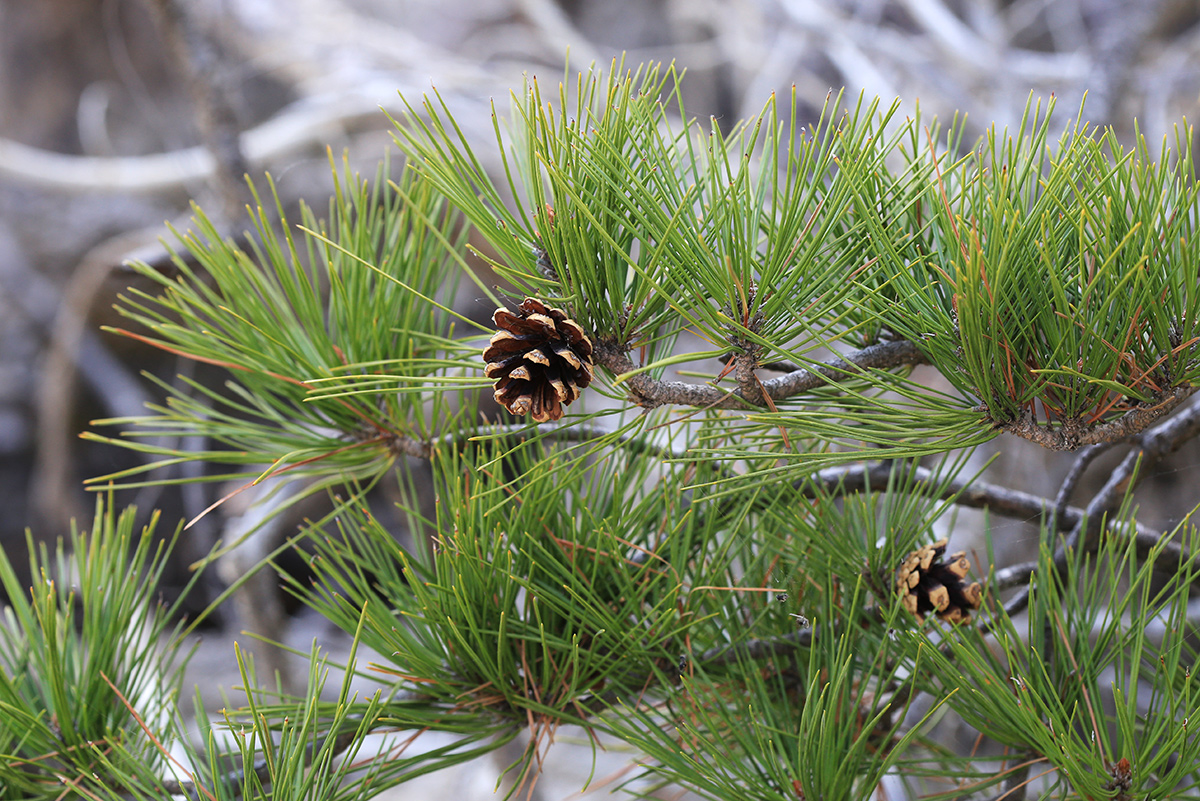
{"x":541,"y":360}
{"x":927,"y":584}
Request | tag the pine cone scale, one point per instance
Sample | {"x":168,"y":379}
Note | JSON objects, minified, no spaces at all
{"x":503,"y":342}
{"x":499,"y":369}
{"x":565,"y":353}
{"x":544,"y":322}
{"x":537,"y":357}
{"x":939,"y":596}
{"x":520,"y":373}
{"x":575,"y":334}
{"x":560,"y":390}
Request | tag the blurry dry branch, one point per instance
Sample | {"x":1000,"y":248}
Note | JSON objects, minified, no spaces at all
{"x":338,"y":63}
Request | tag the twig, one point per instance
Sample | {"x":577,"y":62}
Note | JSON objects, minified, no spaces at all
{"x":1121,"y":38}
{"x":959,"y":44}
{"x":781,"y":366}
{"x":555,"y":27}
{"x":117,"y":390}
{"x":555,"y":432}
{"x":1017,"y":504}
{"x":146,"y":730}
{"x":1072,"y":434}
{"x":254,"y":526}
{"x":1015,"y":606}
{"x":958,"y":41}
{"x":650,"y":393}
{"x":976,"y":495}
{"x":1078,"y":468}
{"x":1013,"y":576}
{"x":1153,"y":446}
{"x":1018,"y":780}
{"x":755,"y":649}
{"x":744,"y":364}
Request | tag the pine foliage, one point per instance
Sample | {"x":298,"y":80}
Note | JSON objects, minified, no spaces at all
{"x":701,"y":569}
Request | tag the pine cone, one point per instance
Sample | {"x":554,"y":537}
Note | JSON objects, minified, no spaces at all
{"x":541,"y":360}
{"x":929,"y":585}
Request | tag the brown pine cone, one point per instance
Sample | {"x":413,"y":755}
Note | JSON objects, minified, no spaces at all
{"x":541,"y":360}
{"x":929,"y":585}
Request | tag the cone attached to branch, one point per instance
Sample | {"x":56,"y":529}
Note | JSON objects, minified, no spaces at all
{"x":928,"y":584}
{"x":541,"y":360}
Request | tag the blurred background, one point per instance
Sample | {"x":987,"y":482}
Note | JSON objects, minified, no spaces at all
{"x":115,"y":114}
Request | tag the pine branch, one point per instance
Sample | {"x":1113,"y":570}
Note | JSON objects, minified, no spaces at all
{"x":551,"y":431}
{"x":1071,"y":480}
{"x":975,"y":495}
{"x":1074,"y":433}
{"x":778,"y":366}
{"x":1153,"y":446}
{"x":1086,"y":525}
{"x":214,"y":96}
{"x":1013,"y":576}
{"x":650,"y":393}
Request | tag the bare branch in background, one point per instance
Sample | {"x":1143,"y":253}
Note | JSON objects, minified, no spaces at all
{"x":212,"y":89}
{"x":303,"y":126}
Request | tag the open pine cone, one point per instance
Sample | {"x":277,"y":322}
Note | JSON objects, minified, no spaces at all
{"x":930,"y":585}
{"x":541,"y":360}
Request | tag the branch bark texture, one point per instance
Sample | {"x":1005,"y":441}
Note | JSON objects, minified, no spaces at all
{"x":650,"y":392}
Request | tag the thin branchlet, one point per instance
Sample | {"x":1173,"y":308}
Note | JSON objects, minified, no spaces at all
{"x":650,"y":393}
{"x":1075,"y":433}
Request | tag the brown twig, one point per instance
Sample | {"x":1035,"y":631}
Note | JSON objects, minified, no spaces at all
{"x":1074,"y":433}
{"x":554,"y":432}
{"x":1018,"y":779}
{"x":1078,"y":468}
{"x":651,"y":393}
{"x":1086,"y":525}
{"x":975,"y":495}
{"x":150,"y":734}
{"x":780,"y":366}
{"x":1153,"y":446}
